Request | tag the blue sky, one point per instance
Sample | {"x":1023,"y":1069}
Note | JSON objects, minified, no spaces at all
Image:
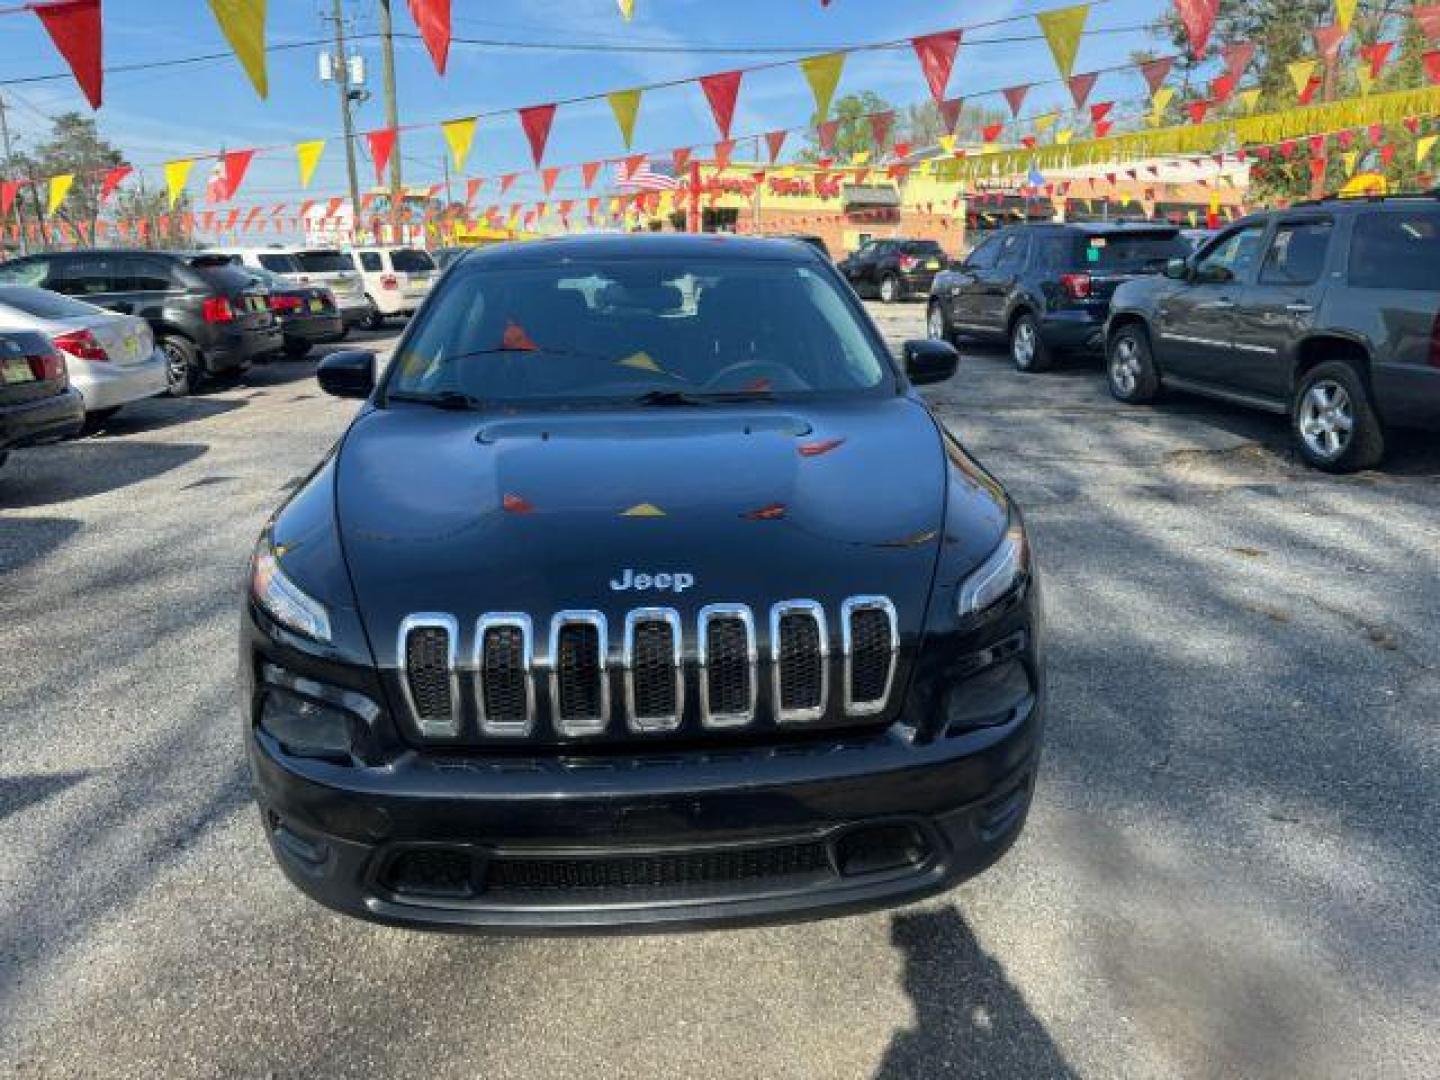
{"x":159,"y":114}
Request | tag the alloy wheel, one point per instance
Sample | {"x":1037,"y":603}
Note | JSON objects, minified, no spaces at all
{"x":1327,"y":419}
{"x":1125,"y":366}
{"x":1022,"y":348}
{"x":887,"y":290}
{"x":177,"y":367}
{"x":936,"y":323}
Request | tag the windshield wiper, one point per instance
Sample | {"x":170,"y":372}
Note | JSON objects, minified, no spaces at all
{"x":442,"y":399}
{"x":670,"y":398}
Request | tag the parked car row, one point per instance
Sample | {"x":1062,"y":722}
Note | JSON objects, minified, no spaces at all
{"x":1328,"y":312}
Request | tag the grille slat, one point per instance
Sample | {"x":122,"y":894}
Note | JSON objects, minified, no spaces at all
{"x":427,"y":642}
{"x":503,"y":664}
{"x":727,"y":656}
{"x":579,"y":673}
{"x":871,"y":643}
{"x":799,"y":661}
{"x":654,"y":678}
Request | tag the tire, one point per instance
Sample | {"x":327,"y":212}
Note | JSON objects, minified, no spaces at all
{"x":1130,"y":367}
{"x":182,"y":365}
{"x":1333,"y":421}
{"x":1028,"y":350}
{"x":374,"y":321}
{"x":936,"y":327}
{"x":297,"y":350}
{"x":890,"y":289}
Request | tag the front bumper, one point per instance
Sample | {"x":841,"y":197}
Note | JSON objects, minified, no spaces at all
{"x":48,"y":419}
{"x":734,"y":836}
{"x":110,"y":385}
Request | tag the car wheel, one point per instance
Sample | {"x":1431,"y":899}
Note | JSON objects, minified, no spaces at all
{"x":1333,"y":421}
{"x":889,"y":289}
{"x":374,"y":321}
{"x":1027,"y":347}
{"x":1130,"y":369}
{"x":182,"y":365}
{"x":297,"y":350}
{"x":935,"y":324}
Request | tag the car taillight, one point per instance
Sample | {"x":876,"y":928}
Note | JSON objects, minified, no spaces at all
{"x":217,"y":309}
{"x":908,"y":262}
{"x":389,"y":281}
{"x":282,"y":304}
{"x":82,"y":345}
{"x":1076,"y":286}
{"x":49,"y":366}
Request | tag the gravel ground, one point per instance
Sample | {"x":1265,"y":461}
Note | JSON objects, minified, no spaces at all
{"x":1232,"y":867}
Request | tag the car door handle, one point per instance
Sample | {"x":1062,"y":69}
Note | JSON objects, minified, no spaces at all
{"x":1299,"y":308}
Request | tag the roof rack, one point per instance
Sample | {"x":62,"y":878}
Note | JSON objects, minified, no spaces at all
{"x":1335,"y":196}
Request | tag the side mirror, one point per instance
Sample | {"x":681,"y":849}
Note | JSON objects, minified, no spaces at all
{"x":1178,"y":269}
{"x":349,"y":373}
{"x":928,"y":361}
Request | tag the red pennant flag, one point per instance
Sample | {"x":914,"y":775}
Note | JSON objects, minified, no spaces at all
{"x":1287,"y":148}
{"x":1080,"y":87}
{"x":1432,"y":65}
{"x":680,"y":159}
{"x":1198,"y":19}
{"x":433,"y":19}
{"x":991,"y":132}
{"x":1028,"y":141}
{"x":235,"y":165}
{"x":1100,"y":110}
{"x":1375,"y":55}
{"x":1237,"y":58}
{"x":588,"y":172}
{"x":1376,"y":133}
{"x":774,"y":141}
{"x":1102,"y":128}
{"x":1317,"y":169}
{"x":902,"y":149}
{"x":1346,"y":139}
{"x":333,"y":207}
{"x":548,"y":178}
{"x":472,"y":188}
{"x":1327,"y":41}
{"x":721,"y":91}
{"x":536,"y":121}
{"x":880,"y":123}
{"x":1222,"y":87}
{"x":1387,"y":153}
{"x":507,"y":181}
{"x":937,"y":58}
{"x":8,"y":190}
{"x":827,"y":132}
{"x":74,"y":27}
{"x":1310,"y":89}
{"x":950,"y":112}
{"x":723,"y":150}
{"x":382,"y":145}
{"x":1196,"y":109}
{"x":113,"y":179}
{"x":1317,"y":145}
{"x":1155,"y":72}
{"x":1015,"y":96}
{"x":1412,"y":124}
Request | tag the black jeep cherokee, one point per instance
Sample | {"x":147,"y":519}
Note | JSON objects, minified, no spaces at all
{"x":644,"y":590}
{"x":1045,"y":289}
{"x":1327,"y":311}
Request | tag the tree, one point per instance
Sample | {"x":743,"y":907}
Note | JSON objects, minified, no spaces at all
{"x":74,"y":146}
{"x":854,"y":134}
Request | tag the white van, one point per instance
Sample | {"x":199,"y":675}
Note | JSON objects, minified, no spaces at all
{"x":396,"y":279}
{"x":305,"y":266}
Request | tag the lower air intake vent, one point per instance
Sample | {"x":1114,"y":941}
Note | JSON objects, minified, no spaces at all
{"x":427,"y":644}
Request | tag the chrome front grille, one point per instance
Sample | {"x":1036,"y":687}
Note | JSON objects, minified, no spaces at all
{"x":571,"y":698}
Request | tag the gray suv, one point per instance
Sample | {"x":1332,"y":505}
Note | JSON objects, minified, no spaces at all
{"x":1328,"y":312}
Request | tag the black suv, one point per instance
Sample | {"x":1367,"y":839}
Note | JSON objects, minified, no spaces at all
{"x":1044,"y":289}
{"x":1328,"y":311}
{"x":894,"y":269}
{"x":613,"y":607}
{"x":37,"y":402}
{"x":208,"y":316}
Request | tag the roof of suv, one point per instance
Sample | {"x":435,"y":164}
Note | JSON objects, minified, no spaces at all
{"x":644,"y":245}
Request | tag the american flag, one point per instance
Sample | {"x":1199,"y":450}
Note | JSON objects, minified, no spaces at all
{"x":636,"y":175}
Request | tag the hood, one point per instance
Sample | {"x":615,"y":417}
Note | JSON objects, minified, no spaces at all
{"x":465,"y":514}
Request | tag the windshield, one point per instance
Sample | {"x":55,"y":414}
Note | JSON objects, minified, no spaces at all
{"x":1133,"y":251}
{"x":624,"y":328}
{"x":323,"y":262}
{"x":279,"y":262}
{"x":409,"y":261}
{"x":44,"y":304}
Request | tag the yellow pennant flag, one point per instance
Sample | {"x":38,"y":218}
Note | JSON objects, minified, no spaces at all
{"x":823,"y":74}
{"x":308,"y":154}
{"x":860,"y":157}
{"x":1423,"y":146}
{"x":625,"y":104}
{"x":1159,"y":103}
{"x":1350,"y":157}
{"x":1344,"y":12}
{"x":1364,"y":78}
{"x":459,"y":134}
{"x":1300,"y":72}
{"x":243,"y":24}
{"x":59,"y":188}
{"x":1249,"y":99}
{"x":176,"y":175}
{"x":1062,"y":29}
{"x":627,"y":8}
{"x":1045,"y":122}
{"x":1064,"y":135}
{"x":947,"y":143}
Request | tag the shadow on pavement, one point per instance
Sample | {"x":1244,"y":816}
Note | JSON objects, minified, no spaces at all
{"x":970,"y":1020}
{"x":158,"y":413}
{"x":79,"y":470}
{"x":18,"y":792}
{"x":27,"y":540}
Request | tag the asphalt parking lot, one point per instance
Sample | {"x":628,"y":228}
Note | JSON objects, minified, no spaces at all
{"x":1232,"y":867}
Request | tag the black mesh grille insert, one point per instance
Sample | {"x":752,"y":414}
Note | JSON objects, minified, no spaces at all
{"x":504,"y":675}
{"x":654,"y":872}
{"x":429,"y":872}
{"x":579,"y":671}
{"x":727,"y":659}
{"x":870,"y":654}
{"x":653,"y":670}
{"x":427,"y":672}
{"x":800,"y":662}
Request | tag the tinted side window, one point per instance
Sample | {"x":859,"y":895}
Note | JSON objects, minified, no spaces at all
{"x":370,"y":262}
{"x":280,"y":263}
{"x":984,"y":256}
{"x":148,"y":275}
{"x":1013,"y":249}
{"x":1057,"y":252}
{"x":26,"y":272}
{"x":1232,"y":256}
{"x":86,"y":276}
{"x":1398,"y":250}
{"x":1297,"y":253}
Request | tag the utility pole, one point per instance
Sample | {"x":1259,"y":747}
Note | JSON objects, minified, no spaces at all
{"x":341,"y":67}
{"x":9,"y":162}
{"x":392,"y":119}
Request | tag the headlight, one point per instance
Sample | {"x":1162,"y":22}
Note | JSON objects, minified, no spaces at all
{"x":282,"y":598}
{"x":999,"y":574}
